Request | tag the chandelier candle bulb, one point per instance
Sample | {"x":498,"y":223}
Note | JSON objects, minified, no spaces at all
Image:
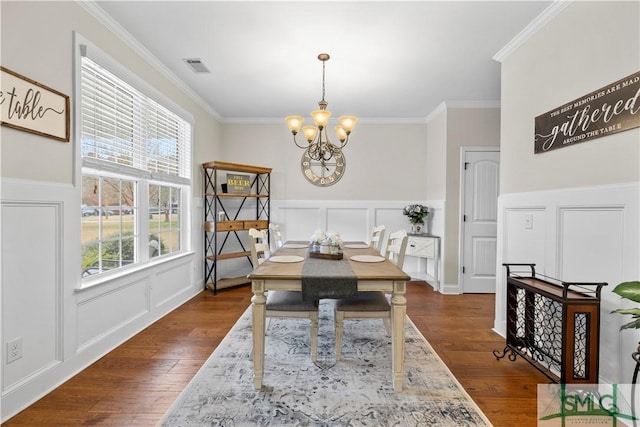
{"x":342,"y":134}
{"x":309,"y":133}
{"x":295,"y":123}
{"x":321,"y":118}
{"x":348,"y":123}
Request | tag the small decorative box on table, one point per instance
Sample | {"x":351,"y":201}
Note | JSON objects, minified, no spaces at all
{"x":315,"y":254}
{"x":553,"y":325}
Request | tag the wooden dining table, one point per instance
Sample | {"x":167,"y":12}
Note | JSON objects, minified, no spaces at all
{"x":371,"y":276}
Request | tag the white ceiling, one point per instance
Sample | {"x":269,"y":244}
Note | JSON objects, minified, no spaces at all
{"x":390,"y":60}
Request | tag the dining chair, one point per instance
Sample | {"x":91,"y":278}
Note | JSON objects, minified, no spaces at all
{"x":284,"y":304}
{"x":371,"y":304}
{"x":396,"y":247}
{"x":274,"y":230}
{"x":259,"y":246}
{"x":377,"y":237}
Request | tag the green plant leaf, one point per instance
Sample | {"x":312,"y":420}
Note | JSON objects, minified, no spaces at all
{"x":631,"y":325}
{"x":635,"y":312}
{"x":628,"y":290}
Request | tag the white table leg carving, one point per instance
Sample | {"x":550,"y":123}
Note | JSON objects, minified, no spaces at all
{"x":398,"y":313}
{"x":258,"y":316}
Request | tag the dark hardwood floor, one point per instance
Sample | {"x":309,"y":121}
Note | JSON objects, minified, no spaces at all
{"x":136,"y":383}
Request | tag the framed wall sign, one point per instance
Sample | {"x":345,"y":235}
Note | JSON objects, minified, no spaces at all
{"x":33,"y":107}
{"x":611,"y":109}
{"x":238,"y":183}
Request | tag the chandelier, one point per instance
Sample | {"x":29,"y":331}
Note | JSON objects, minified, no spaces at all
{"x":319,"y":147}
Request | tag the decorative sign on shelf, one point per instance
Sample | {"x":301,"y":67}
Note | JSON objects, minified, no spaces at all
{"x":33,"y":107}
{"x":238,"y":183}
{"x":611,"y":109}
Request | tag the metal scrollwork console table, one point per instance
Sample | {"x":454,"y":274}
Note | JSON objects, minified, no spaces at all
{"x":553,"y":325}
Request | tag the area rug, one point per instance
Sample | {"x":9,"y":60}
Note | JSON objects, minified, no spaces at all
{"x":355,"y":391}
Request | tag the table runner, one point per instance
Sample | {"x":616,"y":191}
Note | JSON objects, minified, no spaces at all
{"x":328,"y":278}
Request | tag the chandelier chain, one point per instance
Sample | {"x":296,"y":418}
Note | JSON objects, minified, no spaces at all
{"x":323,"y":64}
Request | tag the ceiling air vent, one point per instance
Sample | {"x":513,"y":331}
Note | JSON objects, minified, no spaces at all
{"x":196,"y":65}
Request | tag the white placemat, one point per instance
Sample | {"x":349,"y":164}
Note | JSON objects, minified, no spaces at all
{"x":296,"y":245}
{"x":286,"y":258}
{"x":367,"y":258}
{"x":357,"y":246}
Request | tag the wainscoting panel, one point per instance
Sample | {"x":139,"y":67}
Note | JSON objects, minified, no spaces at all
{"x":298,"y":223}
{"x":591,"y":244}
{"x":354,"y":220}
{"x":577,"y":234}
{"x":132,"y":300}
{"x":351,"y":223}
{"x":591,"y":250}
{"x":390,"y":219}
{"x":170,"y":281}
{"x":525,"y":237}
{"x":31,"y":288}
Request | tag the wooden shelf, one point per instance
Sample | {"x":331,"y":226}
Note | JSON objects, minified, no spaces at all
{"x":229,"y":282}
{"x":229,"y":255}
{"x":236,"y":167}
{"x":254,"y":196}
{"x":221,"y":226}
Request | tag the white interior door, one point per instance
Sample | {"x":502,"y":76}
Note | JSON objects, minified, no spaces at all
{"x":479,"y":196}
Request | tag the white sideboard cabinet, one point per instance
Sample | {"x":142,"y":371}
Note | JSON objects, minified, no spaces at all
{"x":425,"y":247}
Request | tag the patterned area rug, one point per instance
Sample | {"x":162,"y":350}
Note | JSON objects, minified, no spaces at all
{"x":356,"y":391}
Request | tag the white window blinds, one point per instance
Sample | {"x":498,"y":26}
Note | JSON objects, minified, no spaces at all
{"x":123,"y":127}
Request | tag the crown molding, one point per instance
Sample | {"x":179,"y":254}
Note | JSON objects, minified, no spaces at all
{"x":472,"y":104}
{"x":361,"y":120}
{"x":532,"y":28}
{"x":445,"y":105}
{"x":105,"y":19}
{"x":442,"y":107}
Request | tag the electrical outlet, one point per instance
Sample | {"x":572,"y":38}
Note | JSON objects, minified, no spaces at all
{"x":14,"y":350}
{"x":528,"y":221}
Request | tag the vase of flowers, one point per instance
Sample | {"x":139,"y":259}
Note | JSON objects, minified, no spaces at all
{"x":334,"y":242}
{"x":416,"y":213}
{"x":317,"y":238}
{"x":326,"y":242}
{"x":417,"y":227}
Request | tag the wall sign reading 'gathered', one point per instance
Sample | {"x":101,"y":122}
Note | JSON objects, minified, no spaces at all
{"x":30,"y":106}
{"x":608,"y":110}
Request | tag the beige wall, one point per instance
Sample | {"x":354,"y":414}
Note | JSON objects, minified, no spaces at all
{"x":466,"y":127}
{"x":589,"y":45}
{"x":384,"y":162}
{"x":437,"y":157}
{"x":37,"y":43}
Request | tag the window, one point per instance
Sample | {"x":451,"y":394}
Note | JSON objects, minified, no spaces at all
{"x":164,"y":219}
{"x":108,"y":232}
{"x":136,"y":170}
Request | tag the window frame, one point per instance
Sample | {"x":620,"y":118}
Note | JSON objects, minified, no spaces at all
{"x":142,"y":178}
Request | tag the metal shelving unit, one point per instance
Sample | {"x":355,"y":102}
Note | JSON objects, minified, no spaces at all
{"x":224,"y":223}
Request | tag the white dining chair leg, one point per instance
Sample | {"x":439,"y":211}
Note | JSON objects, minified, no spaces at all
{"x":387,"y":326}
